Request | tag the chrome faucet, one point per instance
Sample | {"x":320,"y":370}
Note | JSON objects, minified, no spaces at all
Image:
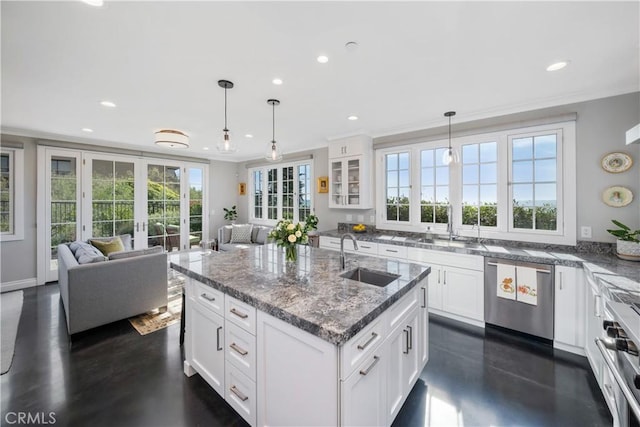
{"x":355,"y":246}
{"x":450,"y":221}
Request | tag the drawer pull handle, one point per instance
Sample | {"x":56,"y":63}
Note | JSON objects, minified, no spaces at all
{"x":238,"y":393}
{"x":391,"y":250}
{"x":366,"y":371}
{"x":238,"y":349}
{"x":218,"y":338}
{"x":369,"y":341}
{"x":366,"y":247}
{"x":208,"y":298}
{"x":239,"y":313}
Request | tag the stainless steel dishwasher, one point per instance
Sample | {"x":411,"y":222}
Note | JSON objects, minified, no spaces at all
{"x":516,"y":315}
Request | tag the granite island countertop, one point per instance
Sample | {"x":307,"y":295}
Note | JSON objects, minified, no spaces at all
{"x":308,"y":294}
{"x":620,"y":279}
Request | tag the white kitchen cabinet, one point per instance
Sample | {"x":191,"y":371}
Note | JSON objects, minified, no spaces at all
{"x":423,"y":324}
{"x":205,"y":353}
{"x":569,"y":309}
{"x":392,"y":251}
{"x":364,"y":247}
{"x":403,"y":367}
{"x":240,"y":393}
{"x":350,"y":173}
{"x":456,"y":284}
{"x":363,"y":394}
{"x":593,"y":327}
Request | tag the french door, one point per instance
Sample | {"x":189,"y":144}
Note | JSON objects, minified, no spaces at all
{"x":87,"y":194}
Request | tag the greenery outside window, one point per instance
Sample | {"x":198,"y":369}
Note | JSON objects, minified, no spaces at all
{"x":434,"y":181}
{"x":398,"y":186}
{"x":288,"y":193}
{"x":11,"y":194}
{"x":480,"y":184}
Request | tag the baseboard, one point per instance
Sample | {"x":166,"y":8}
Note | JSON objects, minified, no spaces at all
{"x":463,"y":319}
{"x":18,"y":284}
{"x":570,"y":348}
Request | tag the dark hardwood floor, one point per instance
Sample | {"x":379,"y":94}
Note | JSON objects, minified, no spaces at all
{"x":112,"y":376}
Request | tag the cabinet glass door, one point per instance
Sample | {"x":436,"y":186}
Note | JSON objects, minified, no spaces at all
{"x":337,"y":194}
{"x":353,"y":172}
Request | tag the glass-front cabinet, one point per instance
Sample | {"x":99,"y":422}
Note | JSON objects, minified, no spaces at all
{"x":350,"y":173}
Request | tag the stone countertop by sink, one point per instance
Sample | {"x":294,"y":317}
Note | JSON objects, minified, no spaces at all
{"x":619,"y":278}
{"x":308,"y":294}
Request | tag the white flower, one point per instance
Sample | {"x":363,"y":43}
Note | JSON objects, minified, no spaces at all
{"x":298,"y":233}
{"x":291,"y":227}
{"x":292,"y":238}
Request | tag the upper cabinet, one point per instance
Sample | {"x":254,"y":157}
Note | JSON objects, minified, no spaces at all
{"x":350,"y":175}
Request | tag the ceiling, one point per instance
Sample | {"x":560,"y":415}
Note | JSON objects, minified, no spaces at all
{"x":160,"y":63}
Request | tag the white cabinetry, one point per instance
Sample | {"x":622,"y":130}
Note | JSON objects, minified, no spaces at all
{"x":569,"y":310}
{"x":367,"y":248}
{"x":456,"y":284}
{"x":350,"y":173}
{"x":594,"y":317}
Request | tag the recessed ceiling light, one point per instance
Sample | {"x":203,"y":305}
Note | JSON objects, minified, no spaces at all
{"x":352,"y":118}
{"x":108,"y":104}
{"x":96,"y":3}
{"x":88,"y":130}
{"x":248,"y":135}
{"x":323,"y":59}
{"x":557,"y":66}
{"x":277,"y":81}
{"x":205,"y":148}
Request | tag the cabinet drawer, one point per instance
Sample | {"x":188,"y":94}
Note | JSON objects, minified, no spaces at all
{"x":330,"y":243}
{"x":240,"y":349}
{"x":470,"y":262}
{"x":368,"y":248}
{"x":392,"y":251}
{"x":240,"y":313}
{"x":359,"y":347}
{"x":208,"y":297}
{"x":399,"y":310}
{"x":240,"y":393}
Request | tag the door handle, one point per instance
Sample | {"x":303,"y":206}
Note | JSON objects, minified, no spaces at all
{"x":410,"y":337}
{"x":439,"y":275}
{"x":445,"y":277}
{"x":424,"y":297}
{"x":218,"y":338}
{"x":143,"y":225}
{"x":137,"y":226}
{"x":406,"y":351}
{"x":560,"y":279}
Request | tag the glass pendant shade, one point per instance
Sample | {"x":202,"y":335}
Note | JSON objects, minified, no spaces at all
{"x":273,"y":153}
{"x":450,"y":155}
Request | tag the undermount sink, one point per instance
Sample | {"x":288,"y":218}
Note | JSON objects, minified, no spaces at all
{"x":372,"y":277}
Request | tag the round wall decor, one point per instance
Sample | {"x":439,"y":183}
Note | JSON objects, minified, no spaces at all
{"x":617,"y":162}
{"x":617,"y":196}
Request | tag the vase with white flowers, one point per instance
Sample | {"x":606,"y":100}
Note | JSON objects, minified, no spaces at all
{"x":289,"y":235}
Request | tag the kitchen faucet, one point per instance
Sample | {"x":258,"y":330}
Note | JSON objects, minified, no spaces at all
{"x":355,"y":246}
{"x":450,"y":221}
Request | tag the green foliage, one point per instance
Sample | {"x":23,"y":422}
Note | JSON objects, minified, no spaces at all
{"x":545,"y":217}
{"x":286,"y":233}
{"x":230,"y":214}
{"x":311,"y":223}
{"x":488,"y":215}
{"x":625,"y":233}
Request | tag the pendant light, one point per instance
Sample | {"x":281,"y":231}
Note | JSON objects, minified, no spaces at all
{"x":225,"y":146}
{"x":450,"y":155}
{"x":273,"y":154}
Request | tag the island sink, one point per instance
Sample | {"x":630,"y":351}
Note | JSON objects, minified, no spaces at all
{"x":372,"y":277}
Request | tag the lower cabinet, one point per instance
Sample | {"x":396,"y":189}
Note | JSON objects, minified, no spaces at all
{"x":569,"y":309}
{"x":206,"y":353}
{"x":364,"y":392}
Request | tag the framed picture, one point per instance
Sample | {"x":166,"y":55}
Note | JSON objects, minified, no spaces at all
{"x":242,"y":188}
{"x":617,"y":196}
{"x":323,"y":184}
{"x":617,"y":162}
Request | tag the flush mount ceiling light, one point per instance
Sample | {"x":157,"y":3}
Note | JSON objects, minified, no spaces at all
{"x":557,"y":66}
{"x":273,"y":154}
{"x":108,"y":104}
{"x":322,"y":59}
{"x":225,"y":146}
{"x":450,"y":155}
{"x":172,"y":139}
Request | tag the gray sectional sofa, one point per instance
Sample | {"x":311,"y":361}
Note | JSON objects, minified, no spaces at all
{"x":228,"y":237}
{"x":102,"y":291}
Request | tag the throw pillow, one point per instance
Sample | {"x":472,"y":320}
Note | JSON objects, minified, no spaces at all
{"x":241,"y":233}
{"x":226,"y":234}
{"x":135,"y":253}
{"x":106,"y":247}
{"x":126,"y":240}
{"x":254,"y":232}
{"x":262,"y":237}
{"x":85,"y":253}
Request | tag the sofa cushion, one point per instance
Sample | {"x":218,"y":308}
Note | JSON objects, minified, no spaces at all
{"x":226,"y":247}
{"x":137,"y":252}
{"x":226,"y":234}
{"x":241,"y":233}
{"x":85,"y":253}
{"x":114,"y":244}
{"x":262,"y":236}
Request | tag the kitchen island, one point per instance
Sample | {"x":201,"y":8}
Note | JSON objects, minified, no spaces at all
{"x":297,"y":343}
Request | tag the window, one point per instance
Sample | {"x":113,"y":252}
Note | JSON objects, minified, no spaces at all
{"x":516,"y":184}
{"x":196,"y":201}
{"x":480,"y":184}
{"x":288,"y":193}
{"x":397,"y":191}
{"x":11,"y":194}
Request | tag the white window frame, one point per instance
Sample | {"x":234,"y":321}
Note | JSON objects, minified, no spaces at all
{"x":16,"y":194}
{"x":566,"y":190}
{"x":278,"y":166}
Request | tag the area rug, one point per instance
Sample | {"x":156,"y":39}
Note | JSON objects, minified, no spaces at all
{"x":154,"y":320}
{"x":10,"y":311}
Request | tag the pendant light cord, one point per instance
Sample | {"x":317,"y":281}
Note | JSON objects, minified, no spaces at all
{"x":449,"y":133}
{"x":273,"y":121}
{"x":225,"y":110}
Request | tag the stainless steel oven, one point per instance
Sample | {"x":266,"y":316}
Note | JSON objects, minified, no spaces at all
{"x":619,"y":349}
